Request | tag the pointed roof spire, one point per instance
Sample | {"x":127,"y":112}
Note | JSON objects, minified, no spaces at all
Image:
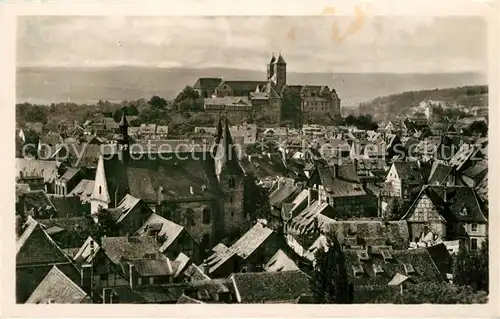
{"x":100,"y":192}
{"x":273,"y":58}
{"x":218,"y":136}
{"x":280,"y":59}
{"x":226,"y":155}
{"x":123,"y":121}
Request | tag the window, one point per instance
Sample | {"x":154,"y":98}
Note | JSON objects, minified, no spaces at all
{"x":357,"y":270}
{"x":473,"y":244}
{"x":206,"y":215}
{"x":230,"y":198}
{"x":231,"y":182}
{"x":151,"y":280}
{"x":100,"y":189}
{"x":104,"y":279}
{"x":474,"y":227}
{"x":464,"y":211}
{"x":377,"y":269}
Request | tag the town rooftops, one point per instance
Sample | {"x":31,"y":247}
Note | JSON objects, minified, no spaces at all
{"x":49,"y":170}
{"x":242,"y":248}
{"x":269,"y":287}
{"x":130,"y":248}
{"x":57,"y":288}
{"x":83,"y":190}
{"x":165,"y":229}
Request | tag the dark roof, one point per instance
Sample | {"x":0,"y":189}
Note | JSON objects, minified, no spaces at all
{"x":283,"y":193}
{"x":280,"y":59}
{"x":83,"y":190}
{"x":410,"y":172}
{"x":342,"y":183}
{"x":242,"y":88}
{"x":157,"y":179}
{"x":442,"y":259}
{"x":165,"y":229}
{"x":264,"y":166}
{"x":461,"y":203}
{"x":439,"y":173}
{"x":368,"y":280}
{"x":130,"y":248}
{"x":35,"y":246}
{"x":315,"y":215}
{"x":68,"y":206}
{"x":66,"y":223}
{"x":207,"y":83}
{"x":150,"y":267}
{"x":70,"y":173}
{"x":58,"y":288}
{"x":371,"y":233}
{"x":188,"y":300}
{"x":149,"y":294}
{"x":271,"y":286}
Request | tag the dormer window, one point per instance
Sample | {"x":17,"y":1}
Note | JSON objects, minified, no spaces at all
{"x":358,"y":270}
{"x":387,"y":255}
{"x":377,"y":269}
{"x":464,"y":211}
{"x":363,"y":255}
{"x":409,"y":269}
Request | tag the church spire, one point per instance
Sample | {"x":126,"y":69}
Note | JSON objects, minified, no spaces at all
{"x":123,"y":139}
{"x":100,"y":194}
{"x":226,"y":155}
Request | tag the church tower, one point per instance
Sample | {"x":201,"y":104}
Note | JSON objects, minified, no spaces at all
{"x":123,"y":139}
{"x":230,"y":175}
{"x":270,"y":68}
{"x":279,"y":73}
{"x":100,"y":195}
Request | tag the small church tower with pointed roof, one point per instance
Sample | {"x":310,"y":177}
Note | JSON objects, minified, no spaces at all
{"x":270,"y":67}
{"x":230,"y":175}
{"x":100,"y":194}
{"x":123,"y":140}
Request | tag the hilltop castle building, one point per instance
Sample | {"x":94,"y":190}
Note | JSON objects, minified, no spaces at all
{"x":272,"y":97}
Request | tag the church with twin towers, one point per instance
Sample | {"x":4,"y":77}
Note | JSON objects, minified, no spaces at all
{"x":270,"y":96}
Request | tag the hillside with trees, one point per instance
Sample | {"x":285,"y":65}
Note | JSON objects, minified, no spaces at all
{"x":388,"y":107}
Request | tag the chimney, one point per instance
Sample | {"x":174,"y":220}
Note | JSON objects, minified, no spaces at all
{"x":445,"y":195}
{"x":86,"y":280}
{"x":132,"y":277}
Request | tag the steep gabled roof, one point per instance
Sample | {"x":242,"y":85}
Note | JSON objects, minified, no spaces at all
{"x":129,"y":248}
{"x":167,"y":229}
{"x":58,"y":288}
{"x":36,"y":246}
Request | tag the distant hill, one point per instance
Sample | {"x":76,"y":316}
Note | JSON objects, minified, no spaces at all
{"x":88,"y":85}
{"x":388,"y":107}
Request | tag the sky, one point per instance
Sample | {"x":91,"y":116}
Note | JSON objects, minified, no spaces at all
{"x":359,"y":43}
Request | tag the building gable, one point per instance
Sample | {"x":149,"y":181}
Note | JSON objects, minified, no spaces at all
{"x":424,"y":210}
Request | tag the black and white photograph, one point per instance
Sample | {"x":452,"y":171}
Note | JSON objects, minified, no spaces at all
{"x":260,"y":159}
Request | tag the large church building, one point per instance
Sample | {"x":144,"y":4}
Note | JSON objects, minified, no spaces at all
{"x":270,"y":97}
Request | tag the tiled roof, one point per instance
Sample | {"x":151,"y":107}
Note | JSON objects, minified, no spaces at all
{"x":439,"y":173}
{"x":67,"y":206}
{"x":410,"y":172}
{"x":228,"y":100}
{"x":182,"y":261}
{"x":442,"y":258}
{"x":241,"y":88}
{"x":188,"y":300}
{"x":463,"y":155}
{"x":482,"y":189}
{"x":35,"y":246}
{"x":371,"y":233}
{"x":283,"y":193}
{"x":85,"y":253}
{"x":126,"y":205}
{"x":56,"y":287}
{"x":170,"y":177}
{"x":476,"y":171}
{"x":311,"y":217}
{"x":345,"y":184}
{"x":243,"y":247}
{"x":461,"y":203}
{"x":376,"y":272}
{"x":37,"y":200}
{"x":84,"y":190}
{"x":270,"y":286}
{"x":167,"y":229}
{"x":49,"y":170}
{"x":195,"y":273}
{"x":149,"y":294}
{"x":207,"y":83}
{"x":264,"y":166}
{"x":150,"y":267}
{"x":280,"y":262}
{"x":70,"y":173}
{"x":219,"y":247}
{"x":130,"y":248}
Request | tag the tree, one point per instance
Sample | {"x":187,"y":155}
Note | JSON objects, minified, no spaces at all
{"x":470,"y":268}
{"x":350,"y":120}
{"x":329,"y":281}
{"x":158,"y":102}
{"x":438,"y":293}
{"x":395,"y":209}
{"x":477,"y":127}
